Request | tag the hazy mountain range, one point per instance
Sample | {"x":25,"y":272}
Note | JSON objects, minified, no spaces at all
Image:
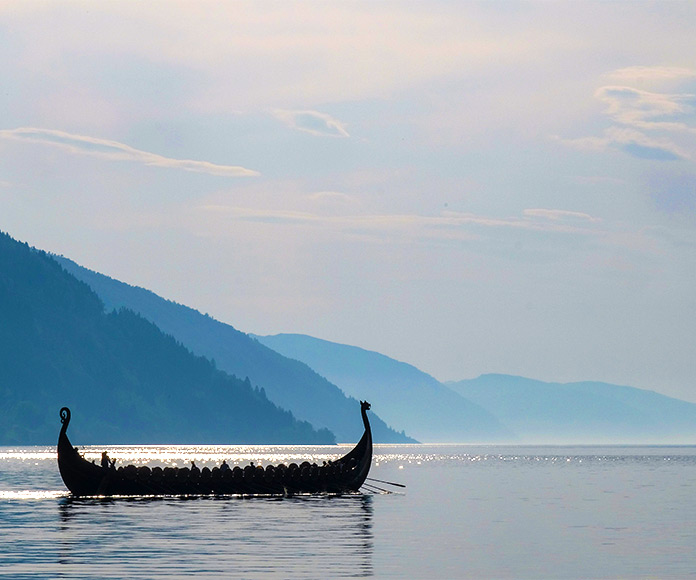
{"x":488,"y":409}
{"x":406,"y":396}
{"x":136,"y":367}
{"x":587,"y":411}
{"x":496,"y":407}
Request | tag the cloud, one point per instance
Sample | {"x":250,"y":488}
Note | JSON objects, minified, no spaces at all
{"x":638,"y":144}
{"x":654,"y":153}
{"x":312,"y":122}
{"x":330,"y":195}
{"x":651,"y":73}
{"x":639,"y":109}
{"x":632,"y":142}
{"x":446,"y":225}
{"x":332,"y":199}
{"x":656,"y":124}
{"x":115,"y":151}
{"x":262,"y":216}
{"x":559,"y":214}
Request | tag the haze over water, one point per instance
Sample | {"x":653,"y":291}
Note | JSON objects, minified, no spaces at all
{"x":467,"y":512}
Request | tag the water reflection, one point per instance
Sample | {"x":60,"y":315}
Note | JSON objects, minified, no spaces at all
{"x":487,"y":511}
{"x":312,"y":536}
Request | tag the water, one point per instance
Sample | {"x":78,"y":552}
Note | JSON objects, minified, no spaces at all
{"x":467,"y":512}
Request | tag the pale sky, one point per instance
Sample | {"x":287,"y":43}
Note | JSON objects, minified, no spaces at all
{"x":467,"y":187}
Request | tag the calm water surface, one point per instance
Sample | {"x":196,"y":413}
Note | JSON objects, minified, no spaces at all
{"x":467,"y":512}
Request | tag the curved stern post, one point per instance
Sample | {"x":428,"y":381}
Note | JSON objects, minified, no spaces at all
{"x":66,"y":451}
{"x":67,"y":455}
{"x":79,"y":475}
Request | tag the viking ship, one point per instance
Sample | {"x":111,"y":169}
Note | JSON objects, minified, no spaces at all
{"x":341,"y":476}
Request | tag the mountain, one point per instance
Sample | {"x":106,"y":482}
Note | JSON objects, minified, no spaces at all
{"x":490,"y":408}
{"x":125,"y":381}
{"x":288,"y":383}
{"x":585,"y":412}
{"x":406,"y":396}
{"x":496,"y":408}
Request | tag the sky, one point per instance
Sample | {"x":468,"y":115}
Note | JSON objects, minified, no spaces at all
{"x":494,"y":187}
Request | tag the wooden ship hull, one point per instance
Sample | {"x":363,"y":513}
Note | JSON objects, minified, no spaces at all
{"x":344,"y":475}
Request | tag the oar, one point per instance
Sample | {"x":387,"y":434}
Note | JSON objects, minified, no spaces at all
{"x":387,"y":482}
{"x":371,"y":487}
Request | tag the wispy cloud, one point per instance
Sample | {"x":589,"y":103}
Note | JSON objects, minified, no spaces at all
{"x":656,"y":125}
{"x":115,"y":151}
{"x":635,"y":143}
{"x":442,"y":225}
{"x":331,"y":196}
{"x":560,"y":214}
{"x":651,"y":73}
{"x":312,"y":122}
{"x":643,"y":109}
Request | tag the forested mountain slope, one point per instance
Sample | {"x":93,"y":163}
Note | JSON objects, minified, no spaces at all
{"x":125,"y":381}
{"x":289,"y":383}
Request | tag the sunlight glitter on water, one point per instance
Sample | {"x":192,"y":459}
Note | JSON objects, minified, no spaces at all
{"x":29,"y":494}
{"x":203,"y":455}
{"x":26,"y":455}
{"x":215,"y":455}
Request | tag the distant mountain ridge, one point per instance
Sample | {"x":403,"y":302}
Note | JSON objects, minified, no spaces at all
{"x":125,"y":381}
{"x":288,"y":383}
{"x":589,"y":412}
{"x":525,"y":410}
{"x":407,"y":396}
